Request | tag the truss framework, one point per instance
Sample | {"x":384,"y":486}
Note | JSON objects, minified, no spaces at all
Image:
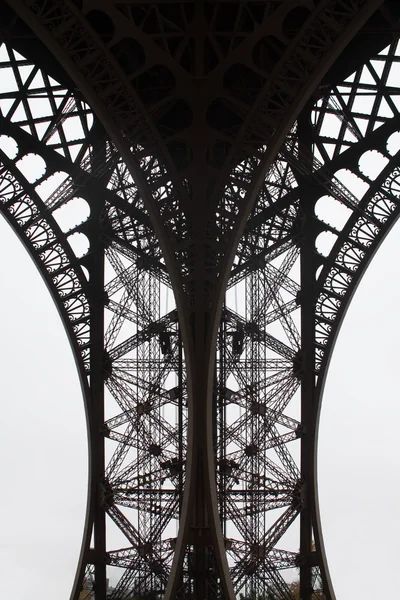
{"x":218,"y":501}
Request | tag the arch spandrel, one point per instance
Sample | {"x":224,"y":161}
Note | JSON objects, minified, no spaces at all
{"x":154,"y":193}
{"x":131,"y":255}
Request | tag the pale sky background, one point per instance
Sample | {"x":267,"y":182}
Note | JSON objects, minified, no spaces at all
{"x":43,"y":454}
{"x":43,"y":441}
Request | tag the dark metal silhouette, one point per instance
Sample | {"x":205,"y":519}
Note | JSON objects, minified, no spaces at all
{"x":202,"y":318}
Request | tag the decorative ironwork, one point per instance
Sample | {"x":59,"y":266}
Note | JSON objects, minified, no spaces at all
{"x":202,"y":146}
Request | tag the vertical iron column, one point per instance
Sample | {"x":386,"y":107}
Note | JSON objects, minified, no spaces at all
{"x":97,"y":451}
{"x":307,"y":282}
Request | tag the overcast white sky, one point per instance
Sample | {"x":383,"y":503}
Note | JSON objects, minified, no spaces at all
{"x":43,"y":441}
{"x":43,"y":456}
{"x":359,"y":455}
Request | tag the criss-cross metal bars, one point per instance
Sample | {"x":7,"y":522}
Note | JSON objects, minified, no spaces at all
{"x":171,"y":167}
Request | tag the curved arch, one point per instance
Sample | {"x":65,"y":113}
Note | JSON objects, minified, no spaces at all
{"x":353,"y":257}
{"x":44,"y":447}
{"x":48,"y":248}
{"x":198,"y":269}
{"x":119,"y":244}
{"x":357,"y":441}
{"x":22,"y":209}
{"x":126,"y":236}
{"x":277,"y":221}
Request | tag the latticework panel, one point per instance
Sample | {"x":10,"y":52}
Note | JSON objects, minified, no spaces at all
{"x":200,"y":285}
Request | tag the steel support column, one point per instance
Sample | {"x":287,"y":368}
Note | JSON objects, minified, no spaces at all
{"x":209,"y":183}
{"x":96,"y":262}
{"x":307,"y":297}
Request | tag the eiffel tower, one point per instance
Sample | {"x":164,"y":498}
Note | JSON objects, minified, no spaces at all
{"x":228,"y":169}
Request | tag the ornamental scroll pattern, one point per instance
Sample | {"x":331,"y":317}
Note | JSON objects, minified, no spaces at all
{"x":350,"y":257}
{"x":300,"y":57}
{"x":62,"y":273}
{"x":111,"y":87}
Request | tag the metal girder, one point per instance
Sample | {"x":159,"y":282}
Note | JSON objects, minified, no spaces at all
{"x":198,"y":179}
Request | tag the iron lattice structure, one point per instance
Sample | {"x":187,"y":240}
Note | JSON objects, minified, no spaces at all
{"x":204,"y":138}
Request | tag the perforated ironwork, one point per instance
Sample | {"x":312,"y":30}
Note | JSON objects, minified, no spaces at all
{"x":187,"y":157}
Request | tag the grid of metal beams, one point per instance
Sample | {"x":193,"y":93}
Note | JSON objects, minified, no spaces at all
{"x":203,"y":309}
